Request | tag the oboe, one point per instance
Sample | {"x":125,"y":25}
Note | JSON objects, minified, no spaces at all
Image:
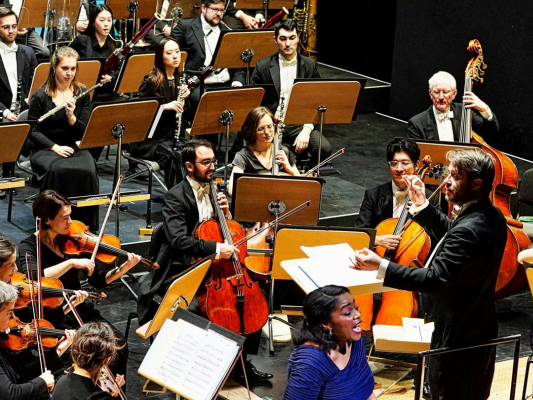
{"x":278,"y":134}
{"x":18,"y":101}
{"x":181,"y":90}
{"x":63,"y":105}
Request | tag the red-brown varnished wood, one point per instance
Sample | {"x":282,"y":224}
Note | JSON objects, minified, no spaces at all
{"x":26,"y":337}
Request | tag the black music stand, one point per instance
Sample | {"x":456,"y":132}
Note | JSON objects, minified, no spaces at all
{"x":242,"y":49}
{"x":274,"y":4}
{"x":310,"y":99}
{"x":118,"y":123}
{"x":220,"y":109}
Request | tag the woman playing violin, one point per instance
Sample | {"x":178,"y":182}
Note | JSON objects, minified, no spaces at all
{"x":93,"y":348}
{"x":256,"y":156}
{"x":54,"y":211}
{"x":16,"y":382}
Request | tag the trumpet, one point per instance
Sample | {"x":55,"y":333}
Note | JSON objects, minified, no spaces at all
{"x":63,"y":105}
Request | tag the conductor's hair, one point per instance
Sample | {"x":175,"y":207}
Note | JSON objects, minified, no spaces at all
{"x":6,"y":12}
{"x":8,"y":294}
{"x":288,"y":24}
{"x":476,"y":163}
{"x":47,"y":205}
{"x":59,"y":55}
{"x":404,"y":145}
{"x":188,"y":154}
{"x":250,"y":124}
{"x":318,"y":307}
{"x":94,"y":346}
{"x":7,"y":248}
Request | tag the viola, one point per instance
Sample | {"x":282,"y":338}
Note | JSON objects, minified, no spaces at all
{"x":229,"y":297}
{"x":21,"y":335}
{"x":79,"y":240}
{"x":52,"y":291}
{"x":511,"y":277}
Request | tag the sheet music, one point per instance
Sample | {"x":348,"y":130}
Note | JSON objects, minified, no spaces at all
{"x":337,"y":251}
{"x":156,"y":121}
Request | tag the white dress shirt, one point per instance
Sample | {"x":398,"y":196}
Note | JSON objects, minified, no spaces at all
{"x":398,"y":200}
{"x":211,"y":35}
{"x":9,"y":58}
{"x":444,"y":125}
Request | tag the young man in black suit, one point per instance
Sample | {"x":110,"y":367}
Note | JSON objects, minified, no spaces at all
{"x":442,"y":121}
{"x":460,"y":275}
{"x":281,"y":69}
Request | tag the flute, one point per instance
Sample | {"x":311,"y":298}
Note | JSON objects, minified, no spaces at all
{"x":63,"y":105}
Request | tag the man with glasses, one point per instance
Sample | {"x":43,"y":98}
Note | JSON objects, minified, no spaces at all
{"x":200,"y":36}
{"x":442,"y":121}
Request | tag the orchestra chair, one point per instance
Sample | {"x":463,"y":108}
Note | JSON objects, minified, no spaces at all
{"x":157,"y":240}
{"x":525,"y":196}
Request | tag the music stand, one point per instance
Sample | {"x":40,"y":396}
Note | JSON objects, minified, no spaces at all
{"x":118,"y":123}
{"x":12,"y":138}
{"x":189,"y":8}
{"x":126,"y":9}
{"x":240,"y":49}
{"x":87,"y":74}
{"x":179,"y":295}
{"x":310,"y":99}
{"x":220,"y":109}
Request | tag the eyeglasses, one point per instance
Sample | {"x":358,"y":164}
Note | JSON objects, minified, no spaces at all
{"x":217,"y":10}
{"x":262,"y":129}
{"x":207,"y":163}
{"x":7,"y":27}
{"x":444,"y":92}
{"x":396,"y":164}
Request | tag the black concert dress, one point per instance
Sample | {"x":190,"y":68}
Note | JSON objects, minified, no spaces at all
{"x":71,"y":176}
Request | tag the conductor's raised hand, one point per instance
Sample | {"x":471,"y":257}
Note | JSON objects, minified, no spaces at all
{"x":417,"y":189}
{"x":223,"y":203}
{"x":366,"y":260}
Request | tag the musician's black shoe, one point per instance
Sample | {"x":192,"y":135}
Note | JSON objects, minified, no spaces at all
{"x":252,"y":373}
{"x":426,"y":394}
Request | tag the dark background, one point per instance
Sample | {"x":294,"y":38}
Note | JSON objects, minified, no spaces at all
{"x":405,"y":42}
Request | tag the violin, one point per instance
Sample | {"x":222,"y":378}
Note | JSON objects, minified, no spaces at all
{"x":229,"y":297}
{"x":21,"y":335}
{"x":79,"y":240}
{"x":52,"y":291}
{"x":108,"y":383}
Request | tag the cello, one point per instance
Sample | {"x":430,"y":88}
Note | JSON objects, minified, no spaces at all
{"x":229,"y":297}
{"x":511,"y":277}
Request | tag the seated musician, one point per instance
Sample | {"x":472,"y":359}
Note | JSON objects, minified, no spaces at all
{"x":329,"y":360}
{"x":185,"y":206}
{"x":164,"y":81}
{"x":56,"y":159}
{"x":93,"y":348}
{"x":256,"y":156}
{"x":54,"y":211}
{"x":16,"y":383}
{"x":442,"y":121}
{"x":83,"y":18}
{"x":281,"y":69}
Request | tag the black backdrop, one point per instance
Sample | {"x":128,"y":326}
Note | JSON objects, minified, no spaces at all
{"x":432,"y":36}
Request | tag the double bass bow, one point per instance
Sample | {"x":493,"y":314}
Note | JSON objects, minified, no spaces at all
{"x":511,"y":276}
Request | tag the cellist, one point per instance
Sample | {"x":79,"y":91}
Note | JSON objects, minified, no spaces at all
{"x":442,"y":121}
{"x":185,"y":206}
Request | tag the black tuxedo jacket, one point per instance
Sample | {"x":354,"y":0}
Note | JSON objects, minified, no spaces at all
{"x":424,"y":126}
{"x":190,"y":36}
{"x":267,"y":72}
{"x":377,"y":206}
{"x":461,"y":280}
{"x":26,"y":64}
{"x":180,"y":219}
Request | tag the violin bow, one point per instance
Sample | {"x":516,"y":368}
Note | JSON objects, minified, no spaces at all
{"x":97,"y":244}
{"x":110,"y":375}
{"x":324,"y":162}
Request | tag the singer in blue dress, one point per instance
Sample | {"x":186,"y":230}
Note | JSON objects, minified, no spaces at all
{"x":329,"y":360}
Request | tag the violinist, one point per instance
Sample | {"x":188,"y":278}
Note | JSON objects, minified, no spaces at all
{"x":93,"y":348}
{"x":164,"y":81}
{"x":54,"y":211}
{"x":460,"y":275}
{"x":13,"y":370}
{"x":442,"y":121}
{"x":256,"y":156}
{"x":185,"y":206}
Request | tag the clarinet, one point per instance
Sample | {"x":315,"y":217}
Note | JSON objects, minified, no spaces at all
{"x":181,"y":90}
{"x":278,"y":134}
{"x":18,"y":101}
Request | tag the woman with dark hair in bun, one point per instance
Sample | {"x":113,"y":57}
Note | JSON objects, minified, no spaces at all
{"x":329,"y":360}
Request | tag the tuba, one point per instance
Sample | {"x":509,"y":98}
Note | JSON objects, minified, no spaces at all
{"x":306,"y":25}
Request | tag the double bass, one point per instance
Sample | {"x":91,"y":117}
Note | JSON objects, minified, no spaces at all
{"x":511,"y":276}
{"x":229,"y":297}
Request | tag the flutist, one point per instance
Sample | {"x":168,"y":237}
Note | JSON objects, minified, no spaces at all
{"x":56,"y":159}
{"x":164,"y":81}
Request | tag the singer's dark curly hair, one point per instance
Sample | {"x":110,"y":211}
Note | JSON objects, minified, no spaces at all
{"x":318,"y":306}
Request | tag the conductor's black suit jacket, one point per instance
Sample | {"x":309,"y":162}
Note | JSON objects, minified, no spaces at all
{"x":461,"y":280}
{"x":26,"y":64}
{"x":267,"y":72}
{"x":180,"y":219}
